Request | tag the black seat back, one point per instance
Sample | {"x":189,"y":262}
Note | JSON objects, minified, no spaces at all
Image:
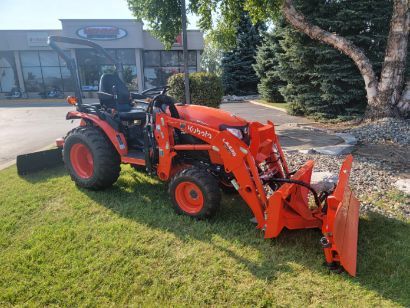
{"x":107,"y":82}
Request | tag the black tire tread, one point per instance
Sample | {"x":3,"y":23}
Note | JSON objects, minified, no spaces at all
{"x":103,"y":152}
{"x":207,"y":183}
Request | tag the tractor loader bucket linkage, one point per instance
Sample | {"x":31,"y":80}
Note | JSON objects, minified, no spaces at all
{"x":263,"y":162}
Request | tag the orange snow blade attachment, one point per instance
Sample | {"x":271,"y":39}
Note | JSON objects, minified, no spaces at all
{"x":338,"y":217}
{"x":340,"y":225}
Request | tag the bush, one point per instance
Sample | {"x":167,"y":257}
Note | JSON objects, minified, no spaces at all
{"x":296,"y":109}
{"x":206,"y":88}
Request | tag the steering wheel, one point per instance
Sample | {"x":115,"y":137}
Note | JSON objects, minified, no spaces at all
{"x":162,"y":101}
{"x":152,"y":92}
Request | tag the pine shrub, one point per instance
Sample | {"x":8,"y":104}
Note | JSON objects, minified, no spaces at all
{"x":238,"y":74}
{"x":265,"y":68}
{"x":206,"y":88}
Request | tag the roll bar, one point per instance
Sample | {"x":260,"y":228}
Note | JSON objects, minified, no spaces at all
{"x":54,"y":39}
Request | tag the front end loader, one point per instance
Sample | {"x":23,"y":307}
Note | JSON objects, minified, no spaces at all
{"x":199,"y":151}
{"x":257,"y":169}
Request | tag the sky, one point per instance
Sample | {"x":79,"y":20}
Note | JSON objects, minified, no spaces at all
{"x":45,"y":14}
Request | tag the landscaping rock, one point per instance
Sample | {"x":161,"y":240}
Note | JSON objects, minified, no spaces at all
{"x":308,"y":151}
{"x":235,"y":98}
{"x":371,"y":180}
{"x":323,"y":181}
{"x":403,"y":185}
{"x":385,"y":130}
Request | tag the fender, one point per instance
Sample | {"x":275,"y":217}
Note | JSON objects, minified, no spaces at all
{"x":116,"y":138}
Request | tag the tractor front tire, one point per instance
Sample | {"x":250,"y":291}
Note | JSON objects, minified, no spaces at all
{"x":195,"y":192}
{"x":90,"y":158}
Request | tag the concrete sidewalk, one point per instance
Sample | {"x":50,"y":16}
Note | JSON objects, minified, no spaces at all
{"x":294,"y":133}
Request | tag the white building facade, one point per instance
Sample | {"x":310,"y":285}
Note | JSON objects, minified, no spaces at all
{"x":28,"y":64}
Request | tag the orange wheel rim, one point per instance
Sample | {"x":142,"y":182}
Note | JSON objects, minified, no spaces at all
{"x":82,"y":160}
{"x":189,"y":197}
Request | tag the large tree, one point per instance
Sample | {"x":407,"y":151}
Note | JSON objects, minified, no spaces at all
{"x":267,"y":68}
{"x":383,"y":93}
{"x":319,"y":80}
{"x":238,"y":75}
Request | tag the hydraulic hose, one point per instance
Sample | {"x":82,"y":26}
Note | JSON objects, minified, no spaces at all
{"x":301,"y":183}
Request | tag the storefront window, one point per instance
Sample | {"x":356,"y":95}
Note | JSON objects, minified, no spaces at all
{"x":49,"y":58}
{"x":30,"y":58}
{"x":125,"y":56}
{"x":191,"y":58}
{"x":8,"y":75}
{"x":93,"y":64}
{"x":52,"y":77}
{"x":130,"y":77}
{"x":169,"y":58}
{"x":152,"y":77}
{"x":68,"y":82}
{"x":42,"y":72}
{"x":160,"y":65}
{"x":152,"y":58}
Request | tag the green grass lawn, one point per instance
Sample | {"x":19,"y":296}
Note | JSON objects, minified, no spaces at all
{"x":64,"y":246}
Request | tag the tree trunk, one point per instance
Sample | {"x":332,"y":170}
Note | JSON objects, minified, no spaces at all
{"x":381,"y":103}
{"x":404,"y":103}
{"x":392,"y":80}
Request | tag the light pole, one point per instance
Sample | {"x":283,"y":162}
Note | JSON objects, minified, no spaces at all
{"x":185,"y":53}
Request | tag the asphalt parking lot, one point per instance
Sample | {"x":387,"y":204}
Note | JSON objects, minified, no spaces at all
{"x":293,"y":132}
{"x":28,"y":127}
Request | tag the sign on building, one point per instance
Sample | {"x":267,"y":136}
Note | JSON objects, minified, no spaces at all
{"x":37,"y":39}
{"x":103,"y":33}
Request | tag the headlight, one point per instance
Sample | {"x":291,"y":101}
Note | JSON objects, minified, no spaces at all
{"x":236,"y":132}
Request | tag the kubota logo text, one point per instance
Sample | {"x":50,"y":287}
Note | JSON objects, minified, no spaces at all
{"x":199,"y":132}
{"x":228,"y":146}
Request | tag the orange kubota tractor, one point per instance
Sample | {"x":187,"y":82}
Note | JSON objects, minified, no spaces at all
{"x":200,"y":150}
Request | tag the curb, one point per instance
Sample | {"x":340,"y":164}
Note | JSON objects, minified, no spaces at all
{"x":7,"y":164}
{"x":13,"y":162}
{"x":267,"y":106}
{"x":28,"y":102}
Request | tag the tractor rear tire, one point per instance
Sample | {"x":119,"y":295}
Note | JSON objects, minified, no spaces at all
{"x":195,"y":192}
{"x":90,"y":158}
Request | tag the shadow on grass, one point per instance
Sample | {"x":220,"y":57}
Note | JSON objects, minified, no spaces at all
{"x":383,"y":250}
{"x":45,"y":175}
{"x":384,"y":244}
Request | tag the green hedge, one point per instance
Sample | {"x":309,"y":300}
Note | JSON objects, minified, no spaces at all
{"x":206,"y":88}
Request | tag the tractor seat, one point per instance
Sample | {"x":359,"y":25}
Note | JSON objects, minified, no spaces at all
{"x":106,"y":92}
{"x":125,"y":109}
{"x":133,"y":114}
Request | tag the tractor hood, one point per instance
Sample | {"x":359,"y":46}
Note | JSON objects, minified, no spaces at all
{"x":212,"y":117}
